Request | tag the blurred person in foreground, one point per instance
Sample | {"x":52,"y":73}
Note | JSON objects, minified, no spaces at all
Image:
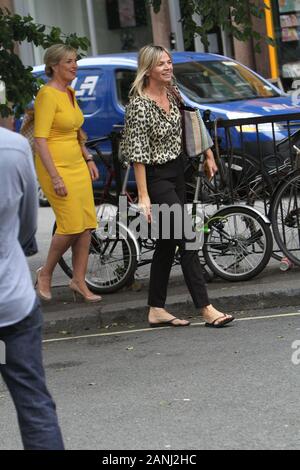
{"x":20,"y":313}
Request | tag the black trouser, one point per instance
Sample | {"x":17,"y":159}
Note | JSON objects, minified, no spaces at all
{"x":166,"y":185}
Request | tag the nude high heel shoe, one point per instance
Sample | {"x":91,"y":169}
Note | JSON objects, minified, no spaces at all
{"x":44,"y":295}
{"x":87,"y":298}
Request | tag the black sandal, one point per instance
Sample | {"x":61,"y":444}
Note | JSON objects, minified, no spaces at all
{"x":168,"y":323}
{"x":220,"y":324}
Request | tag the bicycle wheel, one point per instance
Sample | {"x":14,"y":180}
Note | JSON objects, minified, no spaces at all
{"x":112,"y":259}
{"x":246,"y":179}
{"x":237,"y":243}
{"x":239,"y":170}
{"x":285,"y":216}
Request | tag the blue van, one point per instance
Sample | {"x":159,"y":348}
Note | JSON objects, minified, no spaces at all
{"x":207,"y":81}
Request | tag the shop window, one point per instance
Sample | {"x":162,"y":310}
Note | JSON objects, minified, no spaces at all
{"x":126,"y":13}
{"x":122,"y":25}
{"x":286,"y":14}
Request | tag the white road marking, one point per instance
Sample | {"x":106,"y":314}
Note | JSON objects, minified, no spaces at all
{"x":140,"y":330}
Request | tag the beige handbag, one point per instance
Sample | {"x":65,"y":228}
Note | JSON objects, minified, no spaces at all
{"x":196,"y":139}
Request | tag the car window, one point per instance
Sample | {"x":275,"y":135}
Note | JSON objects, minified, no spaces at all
{"x":124,"y":81}
{"x":90,"y":90}
{"x":220,"y":81}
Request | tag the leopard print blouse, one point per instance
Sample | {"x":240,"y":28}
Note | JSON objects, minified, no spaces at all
{"x":151,"y":135}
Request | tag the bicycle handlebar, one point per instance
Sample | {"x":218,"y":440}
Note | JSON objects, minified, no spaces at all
{"x":292,"y":138}
{"x":93,"y":142}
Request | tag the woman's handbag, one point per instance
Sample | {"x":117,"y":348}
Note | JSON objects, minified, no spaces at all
{"x":27,"y":127}
{"x":195,"y":137}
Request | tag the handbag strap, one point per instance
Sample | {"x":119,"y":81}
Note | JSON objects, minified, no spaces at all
{"x":176,"y":95}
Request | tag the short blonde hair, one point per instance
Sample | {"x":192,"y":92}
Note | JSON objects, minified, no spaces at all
{"x":53,"y":56}
{"x":149,"y":56}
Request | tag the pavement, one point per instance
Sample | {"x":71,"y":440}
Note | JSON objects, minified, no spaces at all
{"x":271,"y":289}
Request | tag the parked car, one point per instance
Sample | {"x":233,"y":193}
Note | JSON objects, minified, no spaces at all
{"x":207,"y":81}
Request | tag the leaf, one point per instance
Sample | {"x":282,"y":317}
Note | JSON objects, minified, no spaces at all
{"x":164,"y":403}
{"x":232,"y":16}
{"x":156,"y":4}
{"x":21,"y":85}
{"x":270,"y":41}
{"x":257,"y":47}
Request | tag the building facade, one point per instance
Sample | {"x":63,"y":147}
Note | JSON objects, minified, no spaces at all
{"x":282,"y":62}
{"x":126,"y":25}
{"x":113,"y":25}
{"x":286,"y":21}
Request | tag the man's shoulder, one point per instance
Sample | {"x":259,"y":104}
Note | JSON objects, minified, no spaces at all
{"x":10,"y":140}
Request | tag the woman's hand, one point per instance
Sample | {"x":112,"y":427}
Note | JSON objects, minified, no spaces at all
{"x":145,"y":205}
{"x":143,"y":195}
{"x":93,"y":170}
{"x":59,"y":186}
{"x":210,"y":162}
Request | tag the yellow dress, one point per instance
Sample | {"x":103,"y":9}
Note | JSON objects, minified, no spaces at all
{"x":58,"y":121}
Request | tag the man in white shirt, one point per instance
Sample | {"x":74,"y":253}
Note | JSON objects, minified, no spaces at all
{"x":20,"y":313}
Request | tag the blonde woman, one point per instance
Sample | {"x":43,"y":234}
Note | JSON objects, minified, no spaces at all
{"x":152,"y":141}
{"x":65,"y":171}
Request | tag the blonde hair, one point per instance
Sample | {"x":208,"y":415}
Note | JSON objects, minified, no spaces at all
{"x":54,"y":55}
{"x":149,"y":57}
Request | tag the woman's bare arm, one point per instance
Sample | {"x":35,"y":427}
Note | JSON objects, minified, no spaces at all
{"x":42,"y":149}
{"x":141,"y":182}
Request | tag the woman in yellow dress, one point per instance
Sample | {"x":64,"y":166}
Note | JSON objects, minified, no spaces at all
{"x":65,"y":171}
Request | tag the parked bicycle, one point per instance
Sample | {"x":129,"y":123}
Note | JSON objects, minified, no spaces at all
{"x":244,"y":178}
{"x":237,"y":242}
{"x":276,"y":186}
{"x":285,"y":212}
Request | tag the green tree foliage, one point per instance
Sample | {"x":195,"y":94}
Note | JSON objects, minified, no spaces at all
{"x":21,"y":85}
{"x":233,"y":16}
